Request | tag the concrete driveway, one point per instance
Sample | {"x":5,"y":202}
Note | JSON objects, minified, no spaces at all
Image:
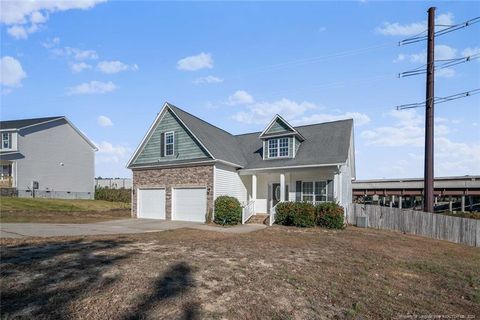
{"x":22,"y":230}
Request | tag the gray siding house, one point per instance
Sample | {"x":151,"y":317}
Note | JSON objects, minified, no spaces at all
{"x":184,"y":163}
{"x":50,"y":151}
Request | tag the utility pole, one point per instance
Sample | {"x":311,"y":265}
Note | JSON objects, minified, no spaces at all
{"x":429,"y":105}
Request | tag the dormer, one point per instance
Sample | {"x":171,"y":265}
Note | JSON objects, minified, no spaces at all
{"x":280,"y":139}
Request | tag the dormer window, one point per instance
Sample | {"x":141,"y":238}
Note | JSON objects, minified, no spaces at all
{"x":278,"y":147}
{"x":169,"y":143}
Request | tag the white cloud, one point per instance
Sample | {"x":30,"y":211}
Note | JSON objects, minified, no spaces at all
{"x":79,"y":54}
{"x":50,"y":43}
{"x":110,"y":67}
{"x":110,"y":153}
{"x":208,"y":79}
{"x":92,"y":87}
{"x":470,"y":52}
{"x":79,"y":67}
{"x":240,"y":97}
{"x":11,"y":73}
{"x":412,"y":29}
{"x":104,"y":121}
{"x":193,"y":63}
{"x":25,"y":17}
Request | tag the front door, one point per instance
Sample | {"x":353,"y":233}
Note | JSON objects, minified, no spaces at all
{"x":275,"y":194}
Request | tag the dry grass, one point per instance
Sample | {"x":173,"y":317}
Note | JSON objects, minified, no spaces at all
{"x":63,"y":217}
{"x":276,"y":273}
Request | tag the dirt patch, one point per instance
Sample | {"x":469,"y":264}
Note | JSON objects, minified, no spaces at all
{"x":63,"y":217}
{"x":275,"y":273}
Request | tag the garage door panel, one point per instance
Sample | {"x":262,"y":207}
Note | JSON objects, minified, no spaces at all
{"x":151,"y":203}
{"x":190,"y":204}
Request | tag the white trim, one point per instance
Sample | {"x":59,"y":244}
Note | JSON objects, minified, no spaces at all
{"x":294,"y":153}
{"x":9,"y":130}
{"x":214,"y":191}
{"x":228,"y":163}
{"x":174,"y":165}
{"x":81,"y":134}
{"x":278,"y":148}
{"x":292,"y":167}
{"x":165,"y":143}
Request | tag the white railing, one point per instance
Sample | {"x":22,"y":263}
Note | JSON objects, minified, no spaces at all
{"x":273,"y":213}
{"x":248,"y":211}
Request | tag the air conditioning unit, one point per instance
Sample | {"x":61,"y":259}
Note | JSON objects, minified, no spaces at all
{"x":362,"y":222}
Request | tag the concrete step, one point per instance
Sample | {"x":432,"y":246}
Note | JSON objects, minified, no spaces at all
{"x":259,"y":219}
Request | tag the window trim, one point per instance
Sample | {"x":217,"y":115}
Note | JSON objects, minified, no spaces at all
{"x":314,"y":191}
{"x":278,"y":148}
{"x":165,"y":144}
{"x":9,"y":139}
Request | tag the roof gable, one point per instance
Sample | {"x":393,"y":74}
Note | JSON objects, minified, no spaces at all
{"x":186,"y":145}
{"x":278,"y":127}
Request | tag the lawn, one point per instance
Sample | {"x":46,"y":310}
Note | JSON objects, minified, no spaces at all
{"x":60,"y":210}
{"x":275,"y":273}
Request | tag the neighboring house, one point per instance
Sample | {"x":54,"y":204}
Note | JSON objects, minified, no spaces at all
{"x":183,"y":163}
{"x":49,"y":151}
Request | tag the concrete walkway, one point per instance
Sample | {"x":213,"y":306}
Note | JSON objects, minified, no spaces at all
{"x":22,"y":230}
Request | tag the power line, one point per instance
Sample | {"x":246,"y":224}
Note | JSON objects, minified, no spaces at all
{"x":447,"y":64}
{"x":438,"y":100}
{"x":455,"y":27}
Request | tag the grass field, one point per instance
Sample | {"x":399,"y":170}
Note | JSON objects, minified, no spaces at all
{"x":275,"y":273}
{"x":60,"y":210}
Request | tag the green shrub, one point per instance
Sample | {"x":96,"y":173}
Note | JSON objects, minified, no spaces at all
{"x":329,"y":215}
{"x":299,"y":214}
{"x":304,"y":215}
{"x":114,"y":195}
{"x":227,"y":211}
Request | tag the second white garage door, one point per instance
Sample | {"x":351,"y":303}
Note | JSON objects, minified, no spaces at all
{"x":151,"y":203}
{"x":189,"y":204}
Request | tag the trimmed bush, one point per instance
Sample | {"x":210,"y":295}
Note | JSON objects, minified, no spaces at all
{"x":329,"y":215}
{"x":304,"y":215}
{"x":299,"y":214}
{"x":228,"y":211}
{"x":114,"y":195}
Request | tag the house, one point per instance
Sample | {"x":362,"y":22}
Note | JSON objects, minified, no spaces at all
{"x":46,"y":157}
{"x":184,"y":163}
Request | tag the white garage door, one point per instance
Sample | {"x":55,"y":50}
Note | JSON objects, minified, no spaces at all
{"x":151,"y":203}
{"x":189,"y":204}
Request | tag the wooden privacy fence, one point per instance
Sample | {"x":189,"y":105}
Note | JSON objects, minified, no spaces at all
{"x":437,"y":226}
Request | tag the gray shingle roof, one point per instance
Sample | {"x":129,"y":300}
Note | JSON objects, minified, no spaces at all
{"x":21,"y":123}
{"x":325,"y":143}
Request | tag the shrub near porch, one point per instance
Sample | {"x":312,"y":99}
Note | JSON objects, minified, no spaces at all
{"x":304,"y":214}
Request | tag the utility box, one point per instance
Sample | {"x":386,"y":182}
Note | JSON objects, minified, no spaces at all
{"x":362,"y":222}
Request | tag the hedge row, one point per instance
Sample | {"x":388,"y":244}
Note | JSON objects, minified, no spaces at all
{"x":114,"y":195}
{"x":304,"y":214}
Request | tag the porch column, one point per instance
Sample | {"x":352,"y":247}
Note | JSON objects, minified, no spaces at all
{"x":282,"y":187}
{"x":463,"y":203}
{"x":450,"y":204}
{"x":254,"y":190}
{"x":400,"y":200}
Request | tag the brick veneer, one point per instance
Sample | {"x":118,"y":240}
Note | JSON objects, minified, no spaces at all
{"x":168,"y":178}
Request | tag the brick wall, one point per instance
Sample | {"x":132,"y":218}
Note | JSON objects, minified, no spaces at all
{"x":168,"y":178}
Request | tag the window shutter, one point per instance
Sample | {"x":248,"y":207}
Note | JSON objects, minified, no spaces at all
{"x":162,"y":144}
{"x":298,"y":191}
{"x":265,"y":149}
{"x":329,"y":190}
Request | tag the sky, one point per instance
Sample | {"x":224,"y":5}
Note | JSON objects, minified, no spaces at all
{"x":109,"y":66}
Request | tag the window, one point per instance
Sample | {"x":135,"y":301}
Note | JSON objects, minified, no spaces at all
{"x":169,"y":142}
{"x":314,"y":191}
{"x":283,"y":147}
{"x":273,"y":148}
{"x":6,"y":140}
{"x":307,"y":191}
{"x":278,"y":147}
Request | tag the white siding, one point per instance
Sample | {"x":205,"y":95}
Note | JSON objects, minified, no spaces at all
{"x":229,"y":183}
{"x":58,"y":158}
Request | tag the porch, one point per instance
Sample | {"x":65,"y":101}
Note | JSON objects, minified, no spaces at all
{"x":7,"y":174}
{"x":266,"y":188}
